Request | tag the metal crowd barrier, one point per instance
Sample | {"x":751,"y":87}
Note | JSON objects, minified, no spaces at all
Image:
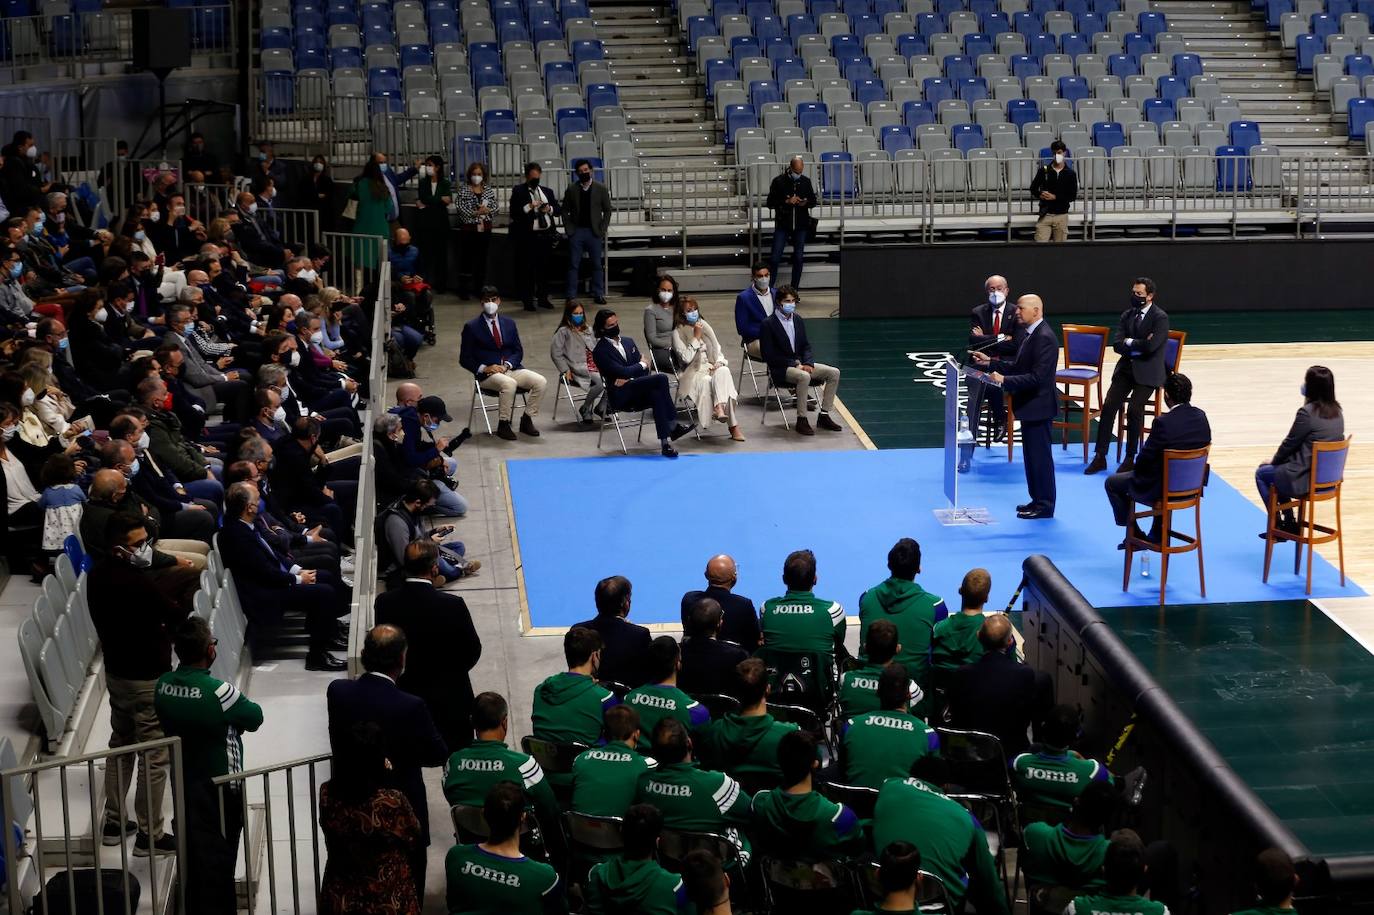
{"x":298,"y":226}
{"x":100,"y":37}
{"x":354,"y":259}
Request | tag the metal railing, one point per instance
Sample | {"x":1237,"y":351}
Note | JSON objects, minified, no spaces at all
{"x":297,"y":226}
{"x":23,"y":788}
{"x":205,"y":202}
{"x":105,"y":36}
{"x":118,"y":183}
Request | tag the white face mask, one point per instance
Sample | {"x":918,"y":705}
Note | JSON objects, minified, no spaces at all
{"x":761,"y":283}
{"x":318,"y":166}
{"x":28,"y":397}
{"x":178,"y":211}
{"x":154,"y":216}
{"x":100,"y":316}
{"x":9,"y":433}
{"x":268,"y":193}
{"x":476,"y":179}
{"x":143,"y":442}
{"x":490,"y":307}
{"x":997,"y":297}
{"x":317,"y":337}
{"x":424,"y":171}
{"x":141,"y":557}
{"x":253,"y":207}
{"x":665,"y":296}
{"x":279,"y":415}
{"x":32,"y":152}
{"x":308,"y":275}
{"x":1058,"y":158}
{"x":295,"y":357}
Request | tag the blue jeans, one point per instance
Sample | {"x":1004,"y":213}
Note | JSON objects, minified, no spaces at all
{"x":407,"y":338}
{"x":205,"y":489}
{"x":585,"y":240}
{"x":781,"y":237}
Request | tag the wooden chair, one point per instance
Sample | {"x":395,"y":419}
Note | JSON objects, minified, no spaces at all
{"x":1085,"y":348}
{"x":1173,"y":356}
{"x":1328,"y":474}
{"x":1185,"y":477}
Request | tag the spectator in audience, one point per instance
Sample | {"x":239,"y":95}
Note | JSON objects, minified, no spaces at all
{"x":791,"y":198}
{"x":491,"y":351}
{"x":910,"y":607}
{"x":393,"y":475}
{"x":533,"y":210}
{"x":1054,"y":774}
{"x":62,"y":502}
{"x":253,"y":240}
{"x":269,"y":588}
{"x":444,"y":646}
{"x":954,"y":642}
{"x":632,"y":386}
{"x":624,"y":645}
{"x":134,"y":618}
{"x":267,"y":165}
{"x":1275,"y":883}
{"x":291,"y":539}
{"x":432,"y":228}
{"x":476,"y":206}
{"x":1124,"y":869}
{"x":886,"y":743}
{"x":705,"y":379}
{"x":303,"y":478}
{"x":495,"y":875}
{"x":569,"y":707}
{"x":692,"y":799}
{"x":370,"y":827}
{"x":52,"y":333}
{"x":23,"y":185}
{"x":270,"y":419}
{"x":424,"y":450}
{"x":660,"y":698}
{"x":571,"y":352}
{"x":997,"y":694}
{"x":210,"y":716}
{"x":16,"y":307}
{"x":121,"y":326}
{"x":50,"y":404}
{"x":23,"y":523}
{"x":200,"y":164}
{"x":400,"y":524}
{"x":658,"y":323}
{"x":471,"y":772}
{"x":1070,"y":854}
{"x":787,"y":351}
{"x":394,"y":180}
{"x":586,"y":219}
{"x":97,"y":358}
{"x":707,"y":885}
{"x":899,"y":878}
{"x":179,"y":520}
{"x":168,"y":445}
{"x":216,"y":383}
{"x":952,"y":844}
{"x":740,"y":621}
{"x":753,"y":306}
{"x":320,"y":194}
{"x":1289,"y":471}
{"x":745,"y":743}
{"x":708,"y":663}
{"x":796,"y":822}
{"x":175,"y":563}
{"x":633,"y":879}
{"x":799,"y":621}
{"x":604,"y":777}
{"x":859,"y":685}
{"x":1054,"y":188}
{"x":408,"y":738}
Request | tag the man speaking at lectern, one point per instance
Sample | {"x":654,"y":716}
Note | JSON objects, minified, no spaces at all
{"x":1029,"y":378}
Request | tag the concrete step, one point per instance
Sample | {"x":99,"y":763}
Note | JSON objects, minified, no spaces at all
{"x":653,"y":90}
{"x":671,"y":159}
{"x":649,"y":47}
{"x":1184,"y":7}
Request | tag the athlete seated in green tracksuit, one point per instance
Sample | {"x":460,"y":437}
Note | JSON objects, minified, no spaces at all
{"x":744,"y":743}
{"x":1124,"y":869}
{"x":799,"y":621}
{"x":660,"y":698}
{"x":633,"y":881}
{"x":1070,"y":854}
{"x":795,"y":821}
{"x":494,"y":877}
{"x":568,"y":707}
{"x":859,"y":685}
{"x":885,"y":744}
{"x":899,"y":876}
{"x":910,"y":607}
{"x":604,"y":778}
{"x":1053,"y":775}
{"x":954,"y":642}
{"x":1275,"y":881}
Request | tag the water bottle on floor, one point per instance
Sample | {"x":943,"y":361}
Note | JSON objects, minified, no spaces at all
{"x":1145,"y":566}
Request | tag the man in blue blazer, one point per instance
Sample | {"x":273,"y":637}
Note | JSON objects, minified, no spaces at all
{"x":631,"y":384}
{"x":624,"y":645}
{"x":1029,"y":379}
{"x":752,"y":308}
{"x":1183,"y":428}
{"x":491,"y":350}
{"x":787,"y":351}
{"x":373,"y":705}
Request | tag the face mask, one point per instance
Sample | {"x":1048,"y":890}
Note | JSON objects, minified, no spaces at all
{"x":761,"y":283}
{"x":178,"y":211}
{"x":262,"y":156}
{"x":665,"y":296}
{"x":100,"y":315}
{"x":140,"y":235}
{"x":424,"y":171}
{"x":997,"y":298}
{"x":28,"y":398}
{"x":141,"y":557}
{"x":317,"y":337}
{"x":143,"y":442}
{"x":17,"y":269}
{"x":308,"y":275}
{"x":62,"y":344}
{"x":788,"y":307}
{"x":60,"y":218}
{"x":317,"y":167}
{"x":692,"y":316}
{"x":268,"y":193}
{"x":490,"y":308}
{"x":11,"y":432}
{"x":133,"y":468}
{"x":1058,"y":158}
{"x":279,"y":415}
{"x":1302,"y":389}
{"x":155,"y":216}
{"x":612,"y":331}
{"x":295,"y":359}
{"x":122,"y":155}
{"x":432,"y":427}
{"x":252,"y":208}
{"x":476,"y":179}
{"x":534,"y":182}
{"x":578,"y":319}
{"x":384,"y":167}
{"x":1138,"y":301}
{"x":584,"y":177}
{"x":31,"y":152}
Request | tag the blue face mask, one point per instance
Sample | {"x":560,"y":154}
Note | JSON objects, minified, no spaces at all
{"x":432,"y":427}
{"x":62,"y":344}
{"x":578,"y":319}
{"x":788,"y":307}
{"x":17,"y":269}
{"x":1303,"y":390}
{"x":692,"y":316}
{"x":140,"y":235}
{"x":262,"y":156}
{"x":290,"y":327}
{"x":384,"y":167}
{"x":133,"y":468}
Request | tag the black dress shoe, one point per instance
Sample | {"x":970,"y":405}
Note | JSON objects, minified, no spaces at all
{"x":503,"y":430}
{"x":340,"y":643}
{"x":679,"y":431}
{"x":999,"y":435}
{"x":823,"y":421}
{"x":1127,"y":466}
{"x":1025,"y":508}
{"x":1096,"y":465}
{"x":547,"y":305}
{"x":668,"y":450}
{"x":323,"y":660}
{"x":600,"y":300}
{"x":527,"y":426}
{"x":1034,"y":514}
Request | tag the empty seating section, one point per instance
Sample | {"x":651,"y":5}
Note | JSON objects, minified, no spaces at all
{"x":951,"y":79}
{"x":31,"y":30}
{"x":520,"y":74}
{"x":1332,"y":43}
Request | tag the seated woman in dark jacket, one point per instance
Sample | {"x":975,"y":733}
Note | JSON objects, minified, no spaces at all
{"x":1319,"y":419}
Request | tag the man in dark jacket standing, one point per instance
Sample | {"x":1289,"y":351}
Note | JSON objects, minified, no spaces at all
{"x":791,"y":198}
{"x":586,"y":218}
{"x":1140,"y":340}
{"x":1055,"y":188}
{"x":533,"y":213}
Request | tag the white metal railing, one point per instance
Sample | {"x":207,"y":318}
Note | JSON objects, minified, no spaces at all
{"x":99,"y":37}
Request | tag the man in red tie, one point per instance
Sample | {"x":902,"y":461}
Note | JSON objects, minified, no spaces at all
{"x":491,"y":350}
{"x":996,"y":331}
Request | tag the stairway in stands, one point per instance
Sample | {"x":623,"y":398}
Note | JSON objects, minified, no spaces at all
{"x":1249,"y":64}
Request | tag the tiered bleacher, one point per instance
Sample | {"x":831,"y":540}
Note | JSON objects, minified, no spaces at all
{"x":1333,"y":45}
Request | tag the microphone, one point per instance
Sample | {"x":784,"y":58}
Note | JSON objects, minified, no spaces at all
{"x":1000,"y":338}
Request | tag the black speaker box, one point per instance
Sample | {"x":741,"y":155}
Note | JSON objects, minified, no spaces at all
{"x":162,"y":39}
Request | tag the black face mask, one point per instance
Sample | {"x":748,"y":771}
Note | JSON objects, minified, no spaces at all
{"x":612,"y":331}
{"x":534,"y":183}
{"x":1138,"y":301}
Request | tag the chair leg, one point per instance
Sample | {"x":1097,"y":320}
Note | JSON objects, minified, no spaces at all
{"x":1087,"y":421}
{"x":1201,"y":574}
{"x":621,"y":435}
{"x":1340,"y":541}
{"x":602,"y":430}
{"x":1126,"y":566}
{"x":1311,"y":536}
{"x":1165,"y":538}
{"x":1269,"y":535}
{"x":640,"y":436}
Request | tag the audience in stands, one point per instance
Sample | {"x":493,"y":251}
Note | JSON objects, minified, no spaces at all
{"x":859,"y":685}
{"x":658,"y":324}
{"x":491,"y":351}
{"x":624,"y":645}
{"x":753,"y":306}
{"x":569,"y":707}
{"x":745,"y":743}
{"x":604,"y":778}
{"x":787,"y":352}
{"x":533,"y":211}
{"x":571,"y":352}
{"x":799,"y":622}
{"x":423,"y":452}
{"x":910,"y":607}
{"x":660,"y":698}
{"x":477,"y":206}
{"x":401,"y":523}
{"x":704,"y":380}
{"x":708,"y":662}
{"x":434,"y":197}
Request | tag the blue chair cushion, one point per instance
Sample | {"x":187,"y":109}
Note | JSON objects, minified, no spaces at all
{"x":1076,"y":374}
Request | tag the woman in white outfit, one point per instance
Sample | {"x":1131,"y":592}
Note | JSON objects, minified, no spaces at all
{"x":705,"y":378}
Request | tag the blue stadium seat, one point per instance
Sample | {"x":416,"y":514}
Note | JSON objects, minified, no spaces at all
{"x":1359,"y":65}
{"x":445,"y":31}
{"x":1274,"y":11}
{"x":561,"y":72}
{"x":994,"y":23}
{"x":1233,"y":169}
{"x":1172,"y":88}
{"x":869,"y":90}
{"x":1076,"y":43}
{"x":982,"y":7}
{"x":1090,"y":24}
{"x":972,"y":89}
{"x":570,"y":120}
{"x":1153,"y":23}
{"x":417,"y":55}
{"x":340,"y":58}
{"x":789,"y":68}
{"x":915,"y":114}
{"x":1245,"y":134}
{"x":1136,"y":44}
{"x":865,"y":24}
{"x":845,"y":46}
{"x":699,"y":27}
{"x":812,"y":114}
{"x":741,"y":46}
{"x":1041,"y":7}
{"x":837,"y":176}
{"x":857,"y":67}
{"x":966,"y":136}
{"x":821,"y":7}
{"x":279,"y":91}
{"x":767,"y":28}
{"x":1158,"y":110}
{"x":1308,"y":47}
{"x":936,"y":90}
{"x":275,"y":38}
{"x":909,"y":44}
{"x":1122,"y":65}
{"x":1359,"y":111}
{"x":341,"y":14}
{"x":957,"y":66}
{"x":487,"y":75}
{"x":762,"y":92}
{"x":976,"y":43}
{"x":1041,"y":43}
{"x":1073,"y":88}
{"x":1325,"y":25}
{"x":498,"y":120}
{"x":897,"y":137}
{"x":799,"y":24}
{"x":606,"y":94}
{"x":543,"y":29}
{"x":882,"y":7}
{"x":1077,"y":7}
{"x":210,"y":29}
{"x":587,"y":49}
{"x":716,"y":70}
{"x":1186,"y":66}
{"x":383,"y":79}
{"x":1022,"y":111}
{"x":1025,"y":22}
{"x":945,"y":7}
{"x":1108,"y":135}
{"x":1106,"y":7}
{"x":1024,"y":65}
{"x":574,"y":9}
{"x":928,"y":24}
{"x":737,"y":117}
{"x":484,"y":54}
{"x":12,"y":8}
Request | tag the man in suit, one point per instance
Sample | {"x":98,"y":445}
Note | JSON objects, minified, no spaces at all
{"x":410,"y":740}
{"x":1029,"y":379}
{"x":998,"y":694}
{"x":633,"y":385}
{"x":533,"y":210}
{"x":587,"y":219}
{"x":214,"y":383}
{"x":741,"y":621}
{"x":1183,"y":428}
{"x":787,"y":351}
{"x":308,"y":488}
{"x":752,"y":308}
{"x":445,"y":646}
{"x":624,"y":645}
{"x":791,"y":198}
{"x":252,"y":240}
{"x":491,"y":350}
{"x":268,"y":588}
{"x":708,"y":663}
{"x":1140,"y":339}
{"x":995,"y":331}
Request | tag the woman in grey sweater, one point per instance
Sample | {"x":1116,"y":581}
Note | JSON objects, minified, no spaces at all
{"x":658,"y":322}
{"x":571,"y":352}
{"x":1319,"y":419}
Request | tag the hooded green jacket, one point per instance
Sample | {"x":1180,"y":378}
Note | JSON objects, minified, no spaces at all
{"x":808,"y":826}
{"x":956,"y":641}
{"x":914,"y":611}
{"x":1053,"y":856}
{"x":568,"y":708}
{"x":737,"y":743}
{"x":621,"y":886}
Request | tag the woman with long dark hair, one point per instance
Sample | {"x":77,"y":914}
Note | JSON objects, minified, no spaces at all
{"x":374,"y":206}
{"x":1319,"y":419}
{"x":476,"y":206}
{"x":432,"y":224}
